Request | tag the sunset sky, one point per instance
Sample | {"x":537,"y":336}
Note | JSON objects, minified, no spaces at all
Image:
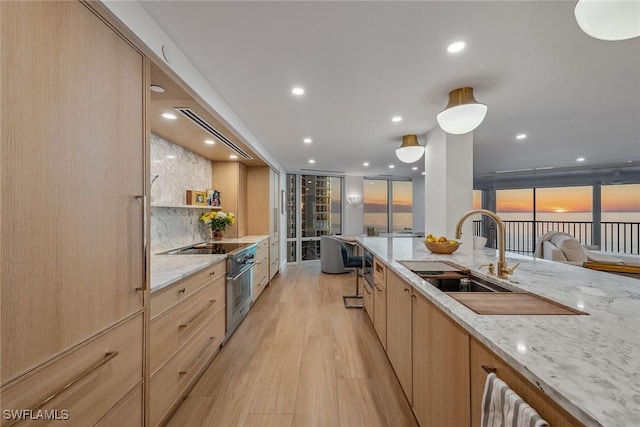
{"x":615,"y":198}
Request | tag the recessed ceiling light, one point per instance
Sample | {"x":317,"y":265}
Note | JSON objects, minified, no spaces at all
{"x":365,"y":164}
{"x":580,"y":159}
{"x":396,"y":119}
{"x":171,"y":156}
{"x":209,"y":141}
{"x":456,"y":47}
{"x":233,"y":156}
{"x":521,"y":136}
{"x":307,"y":140}
{"x":169,"y":116}
{"x":392,"y":166}
{"x":156,"y":89}
{"x":424,"y":173}
{"x":298,"y":91}
{"x":415,"y":168}
{"x":311,"y":161}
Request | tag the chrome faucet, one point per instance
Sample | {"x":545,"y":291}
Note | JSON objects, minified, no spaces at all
{"x":503,"y":271}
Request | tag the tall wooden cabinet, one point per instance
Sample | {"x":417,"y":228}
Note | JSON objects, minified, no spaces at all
{"x":230,"y":178}
{"x":263,"y":194}
{"x":72,"y":276}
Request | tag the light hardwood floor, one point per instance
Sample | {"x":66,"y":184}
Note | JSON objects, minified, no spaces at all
{"x":300,"y":359}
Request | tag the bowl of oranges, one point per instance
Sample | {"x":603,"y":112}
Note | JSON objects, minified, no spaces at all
{"x":441,"y":245}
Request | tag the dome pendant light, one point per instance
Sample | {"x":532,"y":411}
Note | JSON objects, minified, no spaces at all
{"x":609,"y":20}
{"x":463,"y":113}
{"x":410,"y":150}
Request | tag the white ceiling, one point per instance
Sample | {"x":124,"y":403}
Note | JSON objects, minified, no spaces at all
{"x":363,"y":62}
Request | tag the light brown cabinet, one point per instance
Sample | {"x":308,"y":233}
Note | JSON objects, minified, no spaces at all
{"x":367,"y":299}
{"x":263,"y":190}
{"x":261,"y":269}
{"x":547,"y":408}
{"x":185,"y":336}
{"x":230,"y":178}
{"x":73,"y":144}
{"x":440,"y":367}
{"x":380,"y":301}
{"x":399,"y":295}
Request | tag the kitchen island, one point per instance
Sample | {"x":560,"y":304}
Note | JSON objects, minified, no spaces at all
{"x":588,"y":364}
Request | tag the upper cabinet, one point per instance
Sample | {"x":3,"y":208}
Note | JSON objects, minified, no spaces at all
{"x":73,"y":270}
{"x":230,"y":179}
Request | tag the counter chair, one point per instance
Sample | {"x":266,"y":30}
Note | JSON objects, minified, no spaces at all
{"x":355,"y":262}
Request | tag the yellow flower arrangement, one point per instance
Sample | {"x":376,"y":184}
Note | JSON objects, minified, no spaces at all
{"x":218,"y":220}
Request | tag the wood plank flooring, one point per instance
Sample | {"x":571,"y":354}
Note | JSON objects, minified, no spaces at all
{"x":300,"y":359}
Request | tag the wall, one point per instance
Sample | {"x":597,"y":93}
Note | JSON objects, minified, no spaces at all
{"x":177,"y":170}
{"x":418,"y":205}
{"x":353,"y":217}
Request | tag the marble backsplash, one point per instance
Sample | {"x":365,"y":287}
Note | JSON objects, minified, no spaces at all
{"x":177,"y":170}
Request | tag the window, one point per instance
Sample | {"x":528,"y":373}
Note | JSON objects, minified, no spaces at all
{"x":317,"y":213}
{"x":402,"y":193}
{"x":376,"y":206}
{"x":620,"y":227}
{"x":388,"y":206}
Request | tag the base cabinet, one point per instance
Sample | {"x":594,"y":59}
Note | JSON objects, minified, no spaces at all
{"x":380,"y":302}
{"x":548,"y":409}
{"x":367,"y":299}
{"x":261,"y":269}
{"x":399,"y":296}
{"x":185,"y":335}
{"x":440,"y":368}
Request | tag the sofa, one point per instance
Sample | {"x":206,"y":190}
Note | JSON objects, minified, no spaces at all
{"x":562,"y":247}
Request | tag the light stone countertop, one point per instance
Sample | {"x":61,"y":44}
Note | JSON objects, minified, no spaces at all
{"x":168,"y":269}
{"x":590,"y":364}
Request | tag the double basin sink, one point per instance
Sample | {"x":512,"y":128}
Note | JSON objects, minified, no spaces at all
{"x":449,"y":277}
{"x":481,"y":295}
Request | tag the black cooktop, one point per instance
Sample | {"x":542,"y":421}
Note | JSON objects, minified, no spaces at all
{"x":210,"y":248}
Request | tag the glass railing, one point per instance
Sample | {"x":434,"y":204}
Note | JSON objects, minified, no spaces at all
{"x":620,"y":237}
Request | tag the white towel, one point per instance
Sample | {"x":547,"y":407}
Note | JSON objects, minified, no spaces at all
{"x":502,"y":407}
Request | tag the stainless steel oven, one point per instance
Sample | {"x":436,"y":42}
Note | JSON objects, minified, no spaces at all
{"x":239,"y":284}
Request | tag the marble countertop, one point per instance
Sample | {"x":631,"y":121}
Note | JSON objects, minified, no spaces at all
{"x":168,"y":269}
{"x":590,"y":364}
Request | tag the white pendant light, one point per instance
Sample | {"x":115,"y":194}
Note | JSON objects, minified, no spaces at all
{"x":609,"y":20}
{"x":410,"y":150}
{"x":463,"y":113}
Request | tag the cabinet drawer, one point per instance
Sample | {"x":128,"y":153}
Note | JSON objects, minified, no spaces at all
{"x":379,"y":273}
{"x":170,"y":382}
{"x":171,"y":295}
{"x":101,"y":372}
{"x":368,"y":300}
{"x":128,"y":413}
{"x":173,"y":327}
{"x":263,"y":245}
{"x":260,"y":282}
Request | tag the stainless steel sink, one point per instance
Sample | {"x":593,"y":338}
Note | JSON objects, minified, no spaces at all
{"x":449,"y":277}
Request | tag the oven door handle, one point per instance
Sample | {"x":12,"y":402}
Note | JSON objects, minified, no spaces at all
{"x":247,"y":268}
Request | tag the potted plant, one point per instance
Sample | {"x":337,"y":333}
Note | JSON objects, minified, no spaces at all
{"x":218,"y":222}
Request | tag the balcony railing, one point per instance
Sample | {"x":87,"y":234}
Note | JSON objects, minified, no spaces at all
{"x":622,"y":237}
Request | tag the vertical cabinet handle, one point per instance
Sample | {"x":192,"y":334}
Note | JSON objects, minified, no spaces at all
{"x":144,"y":286}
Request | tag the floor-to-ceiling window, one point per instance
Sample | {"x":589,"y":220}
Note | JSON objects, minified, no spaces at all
{"x":516,"y":208}
{"x":620,"y":226}
{"x":402,"y":207}
{"x":566,"y":209}
{"x":318,"y":212}
{"x":388,"y":206}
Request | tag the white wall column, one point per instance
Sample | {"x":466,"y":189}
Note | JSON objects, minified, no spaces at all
{"x":353,"y":217}
{"x":448,"y":184}
{"x":418,"y":204}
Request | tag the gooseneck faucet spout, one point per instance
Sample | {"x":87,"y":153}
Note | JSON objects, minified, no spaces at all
{"x":503,"y":271}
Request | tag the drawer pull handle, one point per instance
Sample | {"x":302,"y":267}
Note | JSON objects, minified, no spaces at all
{"x":489,"y":369}
{"x":198,"y":356}
{"x":406,"y":290}
{"x":194,"y":318}
{"x":213,"y":273}
{"x":107,"y":357}
{"x":182,"y":291}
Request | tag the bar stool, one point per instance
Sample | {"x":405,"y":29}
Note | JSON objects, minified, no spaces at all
{"x":356,"y":262}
